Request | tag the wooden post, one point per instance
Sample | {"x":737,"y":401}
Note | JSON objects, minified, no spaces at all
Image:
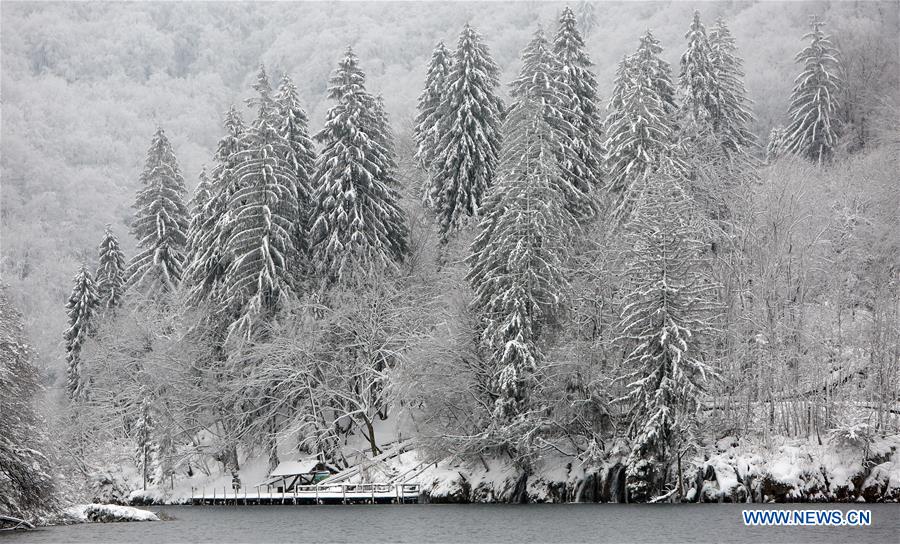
{"x":343,"y":493}
{"x":317,"y":493}
{"x":373,"y":493}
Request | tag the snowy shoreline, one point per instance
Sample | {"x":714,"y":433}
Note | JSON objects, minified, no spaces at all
{"x":729,"y":471}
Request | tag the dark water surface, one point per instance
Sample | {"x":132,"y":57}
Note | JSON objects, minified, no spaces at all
{"x":469,"y":523}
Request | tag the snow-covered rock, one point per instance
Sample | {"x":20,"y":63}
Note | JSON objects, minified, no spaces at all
{"x":107,"y":513}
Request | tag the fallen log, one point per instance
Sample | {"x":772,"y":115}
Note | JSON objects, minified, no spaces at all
{"x":15,"y":523}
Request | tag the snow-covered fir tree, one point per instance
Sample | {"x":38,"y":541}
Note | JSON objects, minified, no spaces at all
{"x":698,"y":80}
{"x":734,"y":115}
{"x":518,"y":256}
{"x":469,"y":147}
{"x":538,"y":82}
{"x":358,"y":228}
{"x":80,"y":310}
{"x":812,"y":132}
{"x":209,"y":228}
{"x":775,"y":145}
{"x":160,"y":223}
{"x":640,"y":125}
{"x":382,"y":133}
{"x":110,"y":276}
{"x":262,"y":214}
{"x":428,"y":120}
{"x":294,"y":128}
{"x":203,"y":194}
{"x":147,"y":452}
{"x":665,"y":314}
{"x":574,"y":70}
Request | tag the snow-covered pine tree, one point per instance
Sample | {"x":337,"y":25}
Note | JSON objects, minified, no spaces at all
{"x":80,"y":309}
{"x":539,"y":82}
{"x":735,"y":117}
{"x":294,"y":128}
{"x":812,"y":132}
{"x":666,"y":312}
{"x":428,"y":120}
{"x":358,"y":228}
{"x":574,"y":68}
{"x":469,"y":147}
{"x":210,"y":227}
{"x":160,"y":223}
{"x":640,"y":125}
{"x":698,"y":79}
{"x":203,"y":194}
{"x":381,"y":131}
{"x":713,"y":119}
{"x":775,"y":146}
{"x":518,"y":256}
{"x":146,"y":449}
{"x":262,"y":213}
{"x":110,"y":277}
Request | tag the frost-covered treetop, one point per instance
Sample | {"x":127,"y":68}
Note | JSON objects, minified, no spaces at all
{"x":812,"y":132}
{"x":470,"y":133}
{"x":427,"y":130}
{"x":234,"y":130}
{"x":568,"y":43}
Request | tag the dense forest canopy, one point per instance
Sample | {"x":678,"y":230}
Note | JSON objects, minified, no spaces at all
{"x":85,"y":85}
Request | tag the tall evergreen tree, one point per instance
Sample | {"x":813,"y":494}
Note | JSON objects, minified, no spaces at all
{"x":734,"y":112}
{"x":160,"y":223}
{"x":469,"y":147}
{"x":640,"y":125}
{"x":428,"y":120}
{"x":111,"y":271}
{"x":203,"y":194}
{"x":262,"y":213}
{"x":210,"y":228}
{"x":574,"y":68}
{"x":294,"y":128}
{"x":664,"y":317}
{"x":539,"y":82}
{"x":812,"y":132}
{"x":518,"y":256}
{"x":699,"y":79}
{"x":358,"y":228}
{"x":381,"y":131}
{"x":80,"y":309}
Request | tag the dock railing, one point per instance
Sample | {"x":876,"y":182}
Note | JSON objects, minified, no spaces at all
{"x":331,"y":493}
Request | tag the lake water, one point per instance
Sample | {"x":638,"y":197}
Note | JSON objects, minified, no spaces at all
{"x":469,"y":523}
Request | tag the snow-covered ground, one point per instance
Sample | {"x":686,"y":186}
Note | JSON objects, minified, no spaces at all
{"x":730,"y":470}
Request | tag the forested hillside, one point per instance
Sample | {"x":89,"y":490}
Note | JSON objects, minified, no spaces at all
{"x":84,"y":87}
{"x":612,"y":234}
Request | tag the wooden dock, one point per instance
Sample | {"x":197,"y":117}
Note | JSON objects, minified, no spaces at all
{"x":334,"y":493}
